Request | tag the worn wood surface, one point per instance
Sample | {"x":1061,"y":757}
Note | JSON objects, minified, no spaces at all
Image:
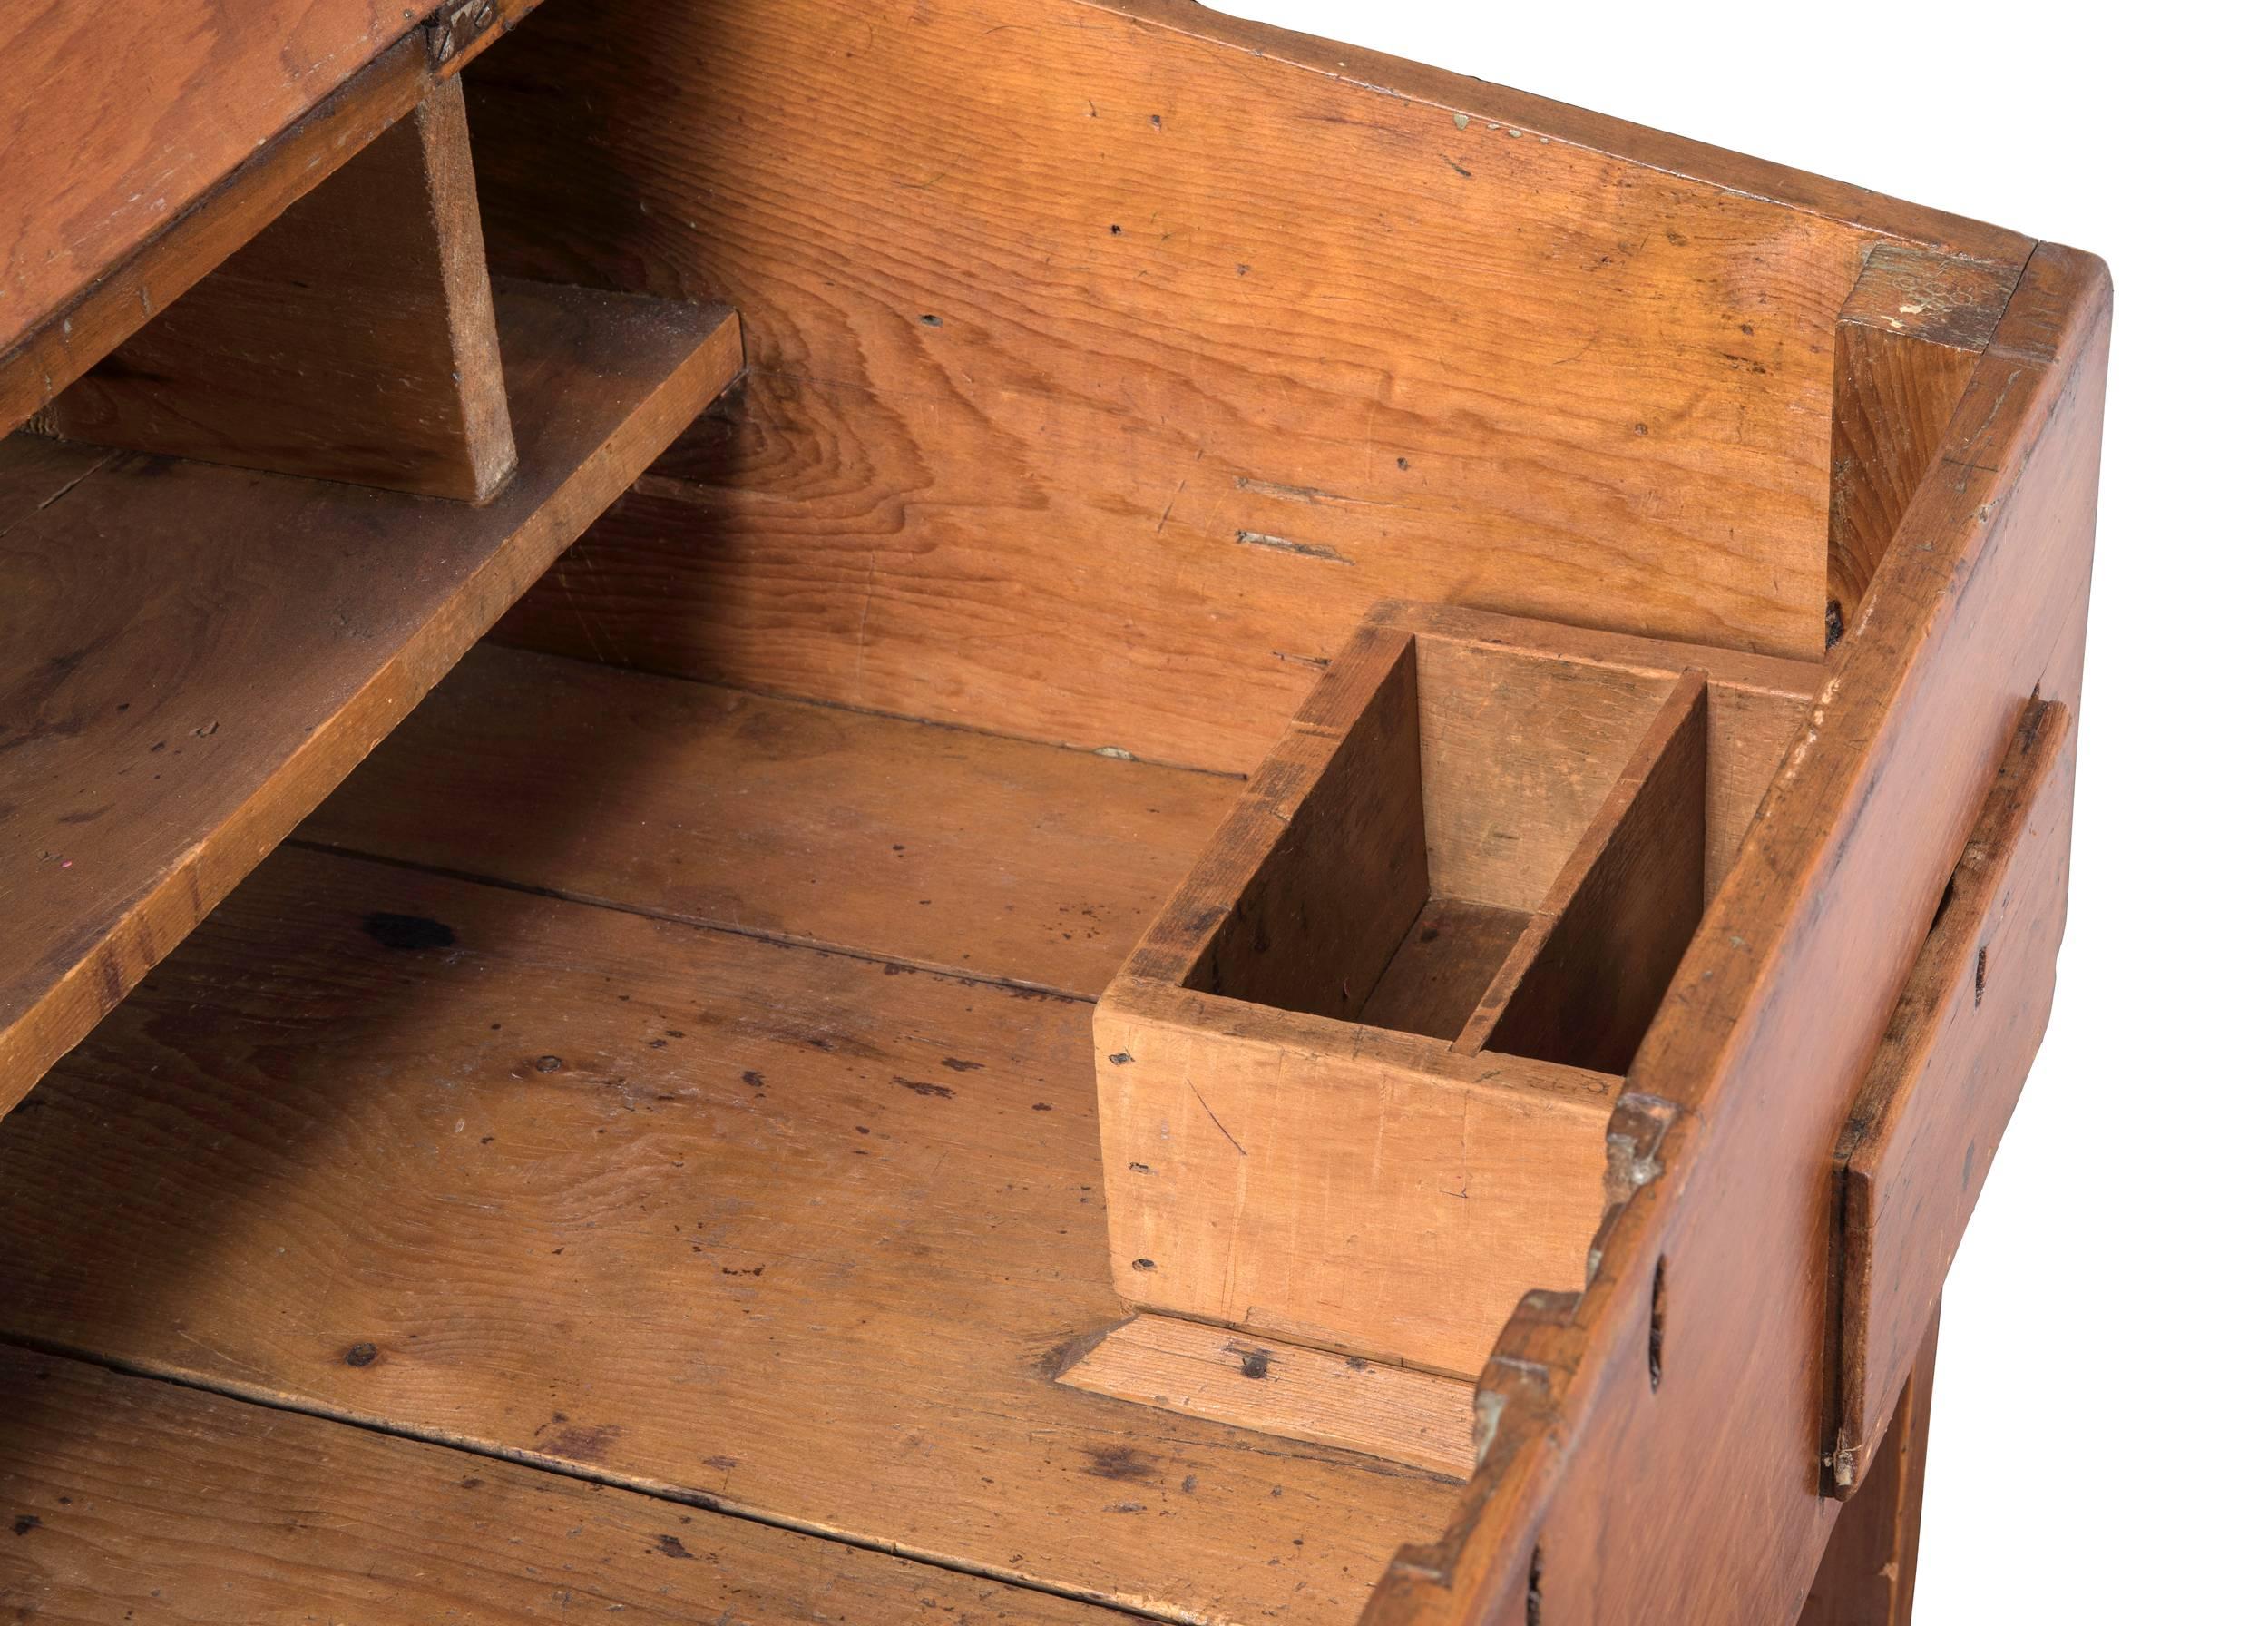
{"x":353,"y":339}
{"x":1350,"y":1187}
{"x":1906,"y":342}
{"x":1913,"y":1155}
{"x":802,"y":822}
{"x":1613,"y":1404}
{"x":1584,"y":982}
{"x":125,"y":1499}
{"x":171,"y":706}
{"x":1443,"y":969}
{"x":1114,"y":299}
{"x":1283,"y":1389}
{"x":796,"y":1230}
{"x":1866,"y":1577}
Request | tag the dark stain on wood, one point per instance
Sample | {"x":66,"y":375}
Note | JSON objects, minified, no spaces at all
{"x":411,"y":933}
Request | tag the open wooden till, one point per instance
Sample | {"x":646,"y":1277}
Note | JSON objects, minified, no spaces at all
{"x":843,"y":1062}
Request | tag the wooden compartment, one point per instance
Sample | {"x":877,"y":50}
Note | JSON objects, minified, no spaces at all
{"x":637,"y":1144}
{"x":1440,"y":918}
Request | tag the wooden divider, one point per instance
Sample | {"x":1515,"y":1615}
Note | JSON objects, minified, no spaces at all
{"x":353,"y":339}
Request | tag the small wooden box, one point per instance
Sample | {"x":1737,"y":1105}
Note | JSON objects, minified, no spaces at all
{"x":1355,"y":1080}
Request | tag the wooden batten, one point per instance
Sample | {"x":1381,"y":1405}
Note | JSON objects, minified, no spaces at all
{"x":1906,"y":342}
{"x":353,"y":339}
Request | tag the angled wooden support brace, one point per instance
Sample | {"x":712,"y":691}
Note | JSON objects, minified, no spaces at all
{"x":353,"y":339}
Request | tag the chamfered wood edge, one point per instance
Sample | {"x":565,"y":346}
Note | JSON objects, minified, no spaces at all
{"x":1715,"y":167}
{"x":62,"y":342}
{"x":1541,"y":1399}
{"x":1999,"y":871}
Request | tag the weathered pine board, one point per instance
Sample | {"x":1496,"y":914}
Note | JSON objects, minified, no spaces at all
{"x":353,"y":339}
{"x":196,"y":655}
{"x":1101,"y":309}
{"x":799,"y":1231}
{"x":727,"y":809}
{"x":126,"y":1498}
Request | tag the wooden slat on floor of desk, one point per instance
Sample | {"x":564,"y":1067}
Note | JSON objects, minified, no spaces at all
{"x":192,"y":657}
{"x":125,"y":1499}
{"x":773,"y":816}
{"x":798,"y":1230}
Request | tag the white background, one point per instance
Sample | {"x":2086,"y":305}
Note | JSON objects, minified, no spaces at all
{"x":2097,"y":1452}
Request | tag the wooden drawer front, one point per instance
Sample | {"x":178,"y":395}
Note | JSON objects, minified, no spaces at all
{"x":1912,"y":1158}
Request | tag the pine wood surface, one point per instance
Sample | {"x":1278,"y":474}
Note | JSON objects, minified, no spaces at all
{"x":353,"y":339}
{"x":124,"y":1499}
{"x":197,"y":654}
{"x":780,"y":818}
{"x":793,"y":1230}
{"x":1119,"y":308}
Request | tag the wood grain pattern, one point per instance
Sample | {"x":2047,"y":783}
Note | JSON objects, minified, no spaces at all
{"x":796,"y":1232}
{"x":1283,"y":1389}
{"x":353,"y":339}
{"x":1115,"y":308}
{"x":1912,"y":1157}
{"x":1583,"y":984}
{"x":172,"y":706}
{"x":1349,"y":1188}
{"x":801,"y":822}
{"x":1764,"y":1035}
{"x":1906,"y":343}
{"x":1866,"y":1577}
{"x":1443,"y":969}
{"x":129,"y":1499}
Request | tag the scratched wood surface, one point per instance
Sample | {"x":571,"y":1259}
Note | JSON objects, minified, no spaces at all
{"x":705,"y":803}
{"x":793,"y":1230}
{"x":123,"y":1499}
{"x":1100,"y":308}
{"x":196,"y":655}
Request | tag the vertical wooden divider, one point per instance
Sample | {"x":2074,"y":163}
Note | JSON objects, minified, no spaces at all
{"x":1582,"y":983}
{"x":353,"y":339}
{"x":1906,"y":342}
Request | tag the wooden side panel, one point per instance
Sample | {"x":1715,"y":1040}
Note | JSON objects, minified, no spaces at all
{"x":1867,"y":1576}
{"x":1905,"y":345}
{"x":353,"y":339}
{"x":1590,"y":969}
{"x":1694,"y":1354}
{"x":125,"y":1499}
{"x":1342,"y":1186}
{"x":1921,"y":1136}
{"x":1343,"y":876}
{"x":1091,"y":309}
{"x":1283,"y":1389}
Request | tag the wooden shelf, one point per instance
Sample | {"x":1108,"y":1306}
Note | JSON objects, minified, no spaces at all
{"x":198,"y":654}
{"x":742,"y":1206}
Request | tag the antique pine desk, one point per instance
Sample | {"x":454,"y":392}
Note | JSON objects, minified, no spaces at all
{"x":1282,"y":847}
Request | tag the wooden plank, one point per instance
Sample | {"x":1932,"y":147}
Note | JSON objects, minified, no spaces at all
{"x":129,"y":1499}
{"x":1912,"y":1157}
{"x":1443,"y":968}
{"x":1278,"y":1388}
{"x":1348,"y":1188}
{"x":1345,"y":343}
{"x":1700,"y":1315}
{"x":171,"y":709}
{"x":1867,"y":1576}
{"x":1583,"y":984}
{"x":797,"y":1232}
{"x":1906,"y":343}
{"x":801,"y":822}
{"x":353,"y":339}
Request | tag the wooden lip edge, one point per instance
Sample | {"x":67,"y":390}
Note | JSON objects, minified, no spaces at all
{"x":27,"y":1050}
{"x":1559,"y":1352}
{"x":1674,"y":156}
{"x":1939,"y":974}
{"x":1679,"y":711}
